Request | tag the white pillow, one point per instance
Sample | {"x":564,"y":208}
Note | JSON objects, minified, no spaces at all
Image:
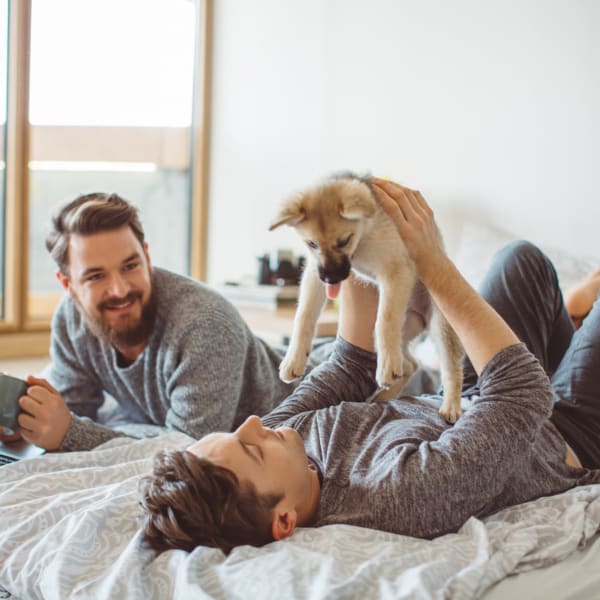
{"x":479,"y":243}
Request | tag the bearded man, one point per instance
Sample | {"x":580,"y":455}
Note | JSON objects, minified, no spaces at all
{"x":173,"y":353}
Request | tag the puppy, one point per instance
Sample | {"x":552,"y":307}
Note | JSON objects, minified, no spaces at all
{"x":346,"y":230}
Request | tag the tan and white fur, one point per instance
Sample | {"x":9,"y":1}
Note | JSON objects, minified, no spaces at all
{"x":345,"y":229}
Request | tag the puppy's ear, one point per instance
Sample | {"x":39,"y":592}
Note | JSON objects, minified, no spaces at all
{"x":357,"y":201}
{"x":291,"y":213}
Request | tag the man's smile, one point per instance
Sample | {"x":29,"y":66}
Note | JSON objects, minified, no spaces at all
{"x":120,"y":305}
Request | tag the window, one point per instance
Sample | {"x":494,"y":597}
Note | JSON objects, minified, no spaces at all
{"x":115,"y":91}
{"x":110,"y":109}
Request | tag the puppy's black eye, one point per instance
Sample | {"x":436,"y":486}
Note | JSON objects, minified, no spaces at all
{"x":343,"y":242}
{"x":312,"y":244}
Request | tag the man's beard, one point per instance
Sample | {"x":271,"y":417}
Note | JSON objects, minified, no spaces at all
{"x":128,"y":337}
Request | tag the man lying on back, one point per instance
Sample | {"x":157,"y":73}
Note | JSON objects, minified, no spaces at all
{"x":325,"y":456}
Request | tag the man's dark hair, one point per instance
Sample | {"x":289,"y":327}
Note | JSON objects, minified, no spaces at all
{"x":86,"y":215}
{"x":189,"y":501}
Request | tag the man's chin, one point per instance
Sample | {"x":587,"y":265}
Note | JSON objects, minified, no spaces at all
{"x":296,"y":439}
{"x":123,"y":332}
{"x":127,"y":337}
{"x":120,"y":322}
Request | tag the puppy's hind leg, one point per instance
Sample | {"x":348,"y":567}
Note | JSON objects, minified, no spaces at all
{"x":310,"y":303}
{"x":450,"y":353}
{"x":413,"y":326}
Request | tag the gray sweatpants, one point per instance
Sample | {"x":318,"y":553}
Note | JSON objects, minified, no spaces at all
{"x":523,"y":287}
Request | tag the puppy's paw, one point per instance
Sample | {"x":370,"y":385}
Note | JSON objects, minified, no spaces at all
{"x":382,"y":395}
{"x":409,"y":366}
{"x":390,"y":368}
{"x":292,"y":367}
{"x":451,"y":410}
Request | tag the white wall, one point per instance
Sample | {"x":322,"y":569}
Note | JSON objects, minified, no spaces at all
{"x":491,"y":108}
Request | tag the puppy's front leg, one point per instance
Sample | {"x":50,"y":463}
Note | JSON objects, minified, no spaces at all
{"x":311,"y":301}
{"x":395,"y":288}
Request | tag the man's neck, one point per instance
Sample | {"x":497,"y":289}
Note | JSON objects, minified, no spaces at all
{"x":308,"y":516}
{"x":129,"y":354}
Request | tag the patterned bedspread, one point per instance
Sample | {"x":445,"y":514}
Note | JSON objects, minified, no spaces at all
{"x":69,"y":528}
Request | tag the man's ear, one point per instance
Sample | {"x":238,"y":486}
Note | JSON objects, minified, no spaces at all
{"x":284,"y":524}
{"x":147,"y":254}
{"x":64,"y":280}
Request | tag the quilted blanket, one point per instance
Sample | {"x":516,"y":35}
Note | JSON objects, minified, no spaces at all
{"x":69,"y":527}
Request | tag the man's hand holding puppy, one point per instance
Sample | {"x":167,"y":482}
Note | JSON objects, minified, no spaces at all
{"x":414,"y":220}
{"x":45,"y":418}
{"x":481,"y":330}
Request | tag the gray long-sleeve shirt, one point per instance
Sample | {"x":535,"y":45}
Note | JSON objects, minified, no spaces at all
{"x":202,"y":370}
{"x":399,"y":467}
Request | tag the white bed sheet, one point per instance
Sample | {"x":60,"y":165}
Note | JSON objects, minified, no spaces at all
{"x":69,"y":529}
{"x":577,"y":577}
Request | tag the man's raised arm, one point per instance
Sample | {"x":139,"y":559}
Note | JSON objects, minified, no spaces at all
{"x":481,"y":330}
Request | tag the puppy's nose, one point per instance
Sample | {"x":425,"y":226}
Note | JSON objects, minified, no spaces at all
{"x":328,"y":275}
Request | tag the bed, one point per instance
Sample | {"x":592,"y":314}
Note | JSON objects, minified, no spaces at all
{"x":69,"y":528}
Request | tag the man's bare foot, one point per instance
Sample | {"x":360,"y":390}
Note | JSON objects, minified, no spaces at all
{"x":579,"y":299}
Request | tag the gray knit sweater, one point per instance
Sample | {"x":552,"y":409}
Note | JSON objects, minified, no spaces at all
{"x":202,"y":370}
{"x":397,"y":466}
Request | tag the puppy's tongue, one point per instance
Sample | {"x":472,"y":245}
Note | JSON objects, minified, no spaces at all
{"x":333,"y":289}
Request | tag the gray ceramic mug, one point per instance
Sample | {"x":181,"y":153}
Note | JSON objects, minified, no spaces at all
{"x":11,"y":389}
